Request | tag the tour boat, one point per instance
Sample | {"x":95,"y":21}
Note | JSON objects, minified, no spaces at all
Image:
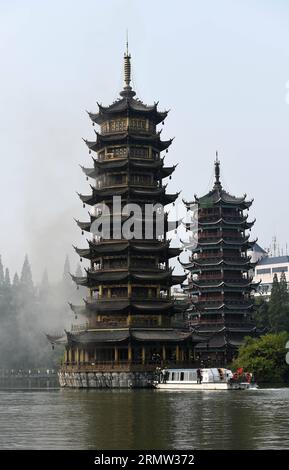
{"x":203,"y":379}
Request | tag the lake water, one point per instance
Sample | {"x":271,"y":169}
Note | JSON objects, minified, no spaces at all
{"x":144,"y":419}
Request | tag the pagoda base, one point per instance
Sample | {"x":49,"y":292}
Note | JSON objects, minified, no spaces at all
{"x":106,"y":380}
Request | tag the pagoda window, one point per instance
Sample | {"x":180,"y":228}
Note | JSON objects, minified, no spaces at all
{"x":116,"y":152}
{"x":142,"y":179}
{"x":143,"y":262}
{"x":114,"y":263}
{"x":118,"y":292}
{"x":139,"y":152}
{"x":141,"y":320}
{"x":139,"y":124}
{"x":118,"y":125}
{"x":140,"y":291}
{"x":123,"y":354}
{"x":116,"y":179}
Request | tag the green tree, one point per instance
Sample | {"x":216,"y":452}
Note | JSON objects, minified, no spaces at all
{"x":265,"y":357}
{"x":1,"y":272}
{"x":16,"y":280}
{"x":278,"y":310}
{"x":7,"y":278}
{"x":261,"y":315}
{"x":26,"y":275}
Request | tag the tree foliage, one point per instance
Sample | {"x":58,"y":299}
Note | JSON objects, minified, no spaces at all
{"x":265,"y":357}
{"x":27,"y":312}
{"x":273,"y":314}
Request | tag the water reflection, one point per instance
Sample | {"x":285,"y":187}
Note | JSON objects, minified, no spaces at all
{"x":144,"y":419}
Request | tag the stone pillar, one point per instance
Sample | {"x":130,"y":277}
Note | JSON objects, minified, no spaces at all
{"x":129,"y":353}
{"x":77,"y":356}
{"x":164,"y":353}
{"x":115,"y":354}
{"x":85,"y":356}
{"x":129,"y":290}
{"x":143,"y":355}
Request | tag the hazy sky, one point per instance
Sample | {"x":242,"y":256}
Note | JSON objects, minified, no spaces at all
{"x":221,"y":67}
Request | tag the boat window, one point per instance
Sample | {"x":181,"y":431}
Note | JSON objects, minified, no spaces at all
{"x":182,"y":376}
{"x":173,"y":376}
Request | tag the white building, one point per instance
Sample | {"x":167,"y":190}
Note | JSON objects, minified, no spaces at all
{"x":265,"y":270}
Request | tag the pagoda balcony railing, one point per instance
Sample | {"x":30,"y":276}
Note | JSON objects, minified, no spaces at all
{"x":133,"y":129}
{"x":111,"y":156}
{"x":217,"y":275}
{"x":119,"y":324}
{"x":123,"y":156}
{"x":198,"y":321}
{"x":211,"y":261}
{"x":214,"y":302}
{"x":217,"y":216}
{"x":210,"y":238}
{"x":123,"y":183}
{"x":223,"y":321}
{"x":125,"y":267}
{"x":134,"y":297}
{"x":229,"y":281}
{"x":224,"y":234}
{"x":219,"y":257}
{"x":137,"y":365}
{"x":212,"y":277}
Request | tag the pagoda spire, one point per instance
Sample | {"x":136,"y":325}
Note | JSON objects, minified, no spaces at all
{"x":127,"y":91}
{"x":217,"y":184}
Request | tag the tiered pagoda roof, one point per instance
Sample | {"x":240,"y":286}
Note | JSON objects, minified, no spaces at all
{"x":128,"y":138}
{"x":106,"y":166}
{"x":219,"y":284}
{"x":129,"y":280}
{"x":135,"y":194}
{"x":130,"y":107}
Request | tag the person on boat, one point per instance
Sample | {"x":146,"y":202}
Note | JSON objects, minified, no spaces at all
{"x":199,"y":376}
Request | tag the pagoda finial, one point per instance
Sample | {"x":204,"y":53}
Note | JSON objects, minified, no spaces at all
{"x":127,"y":90}
{"x":217,"y":172}
{"x":127,"y":42}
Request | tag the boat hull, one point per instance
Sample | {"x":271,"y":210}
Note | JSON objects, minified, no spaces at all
{"x":202,"y":386}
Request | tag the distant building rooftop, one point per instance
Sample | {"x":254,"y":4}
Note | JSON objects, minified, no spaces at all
{"x":274,"y":260}
{"x":257,"y":248}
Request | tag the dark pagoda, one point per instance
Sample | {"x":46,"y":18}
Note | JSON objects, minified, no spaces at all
{"x":125,"y":326}
{"x":220,"y":283}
